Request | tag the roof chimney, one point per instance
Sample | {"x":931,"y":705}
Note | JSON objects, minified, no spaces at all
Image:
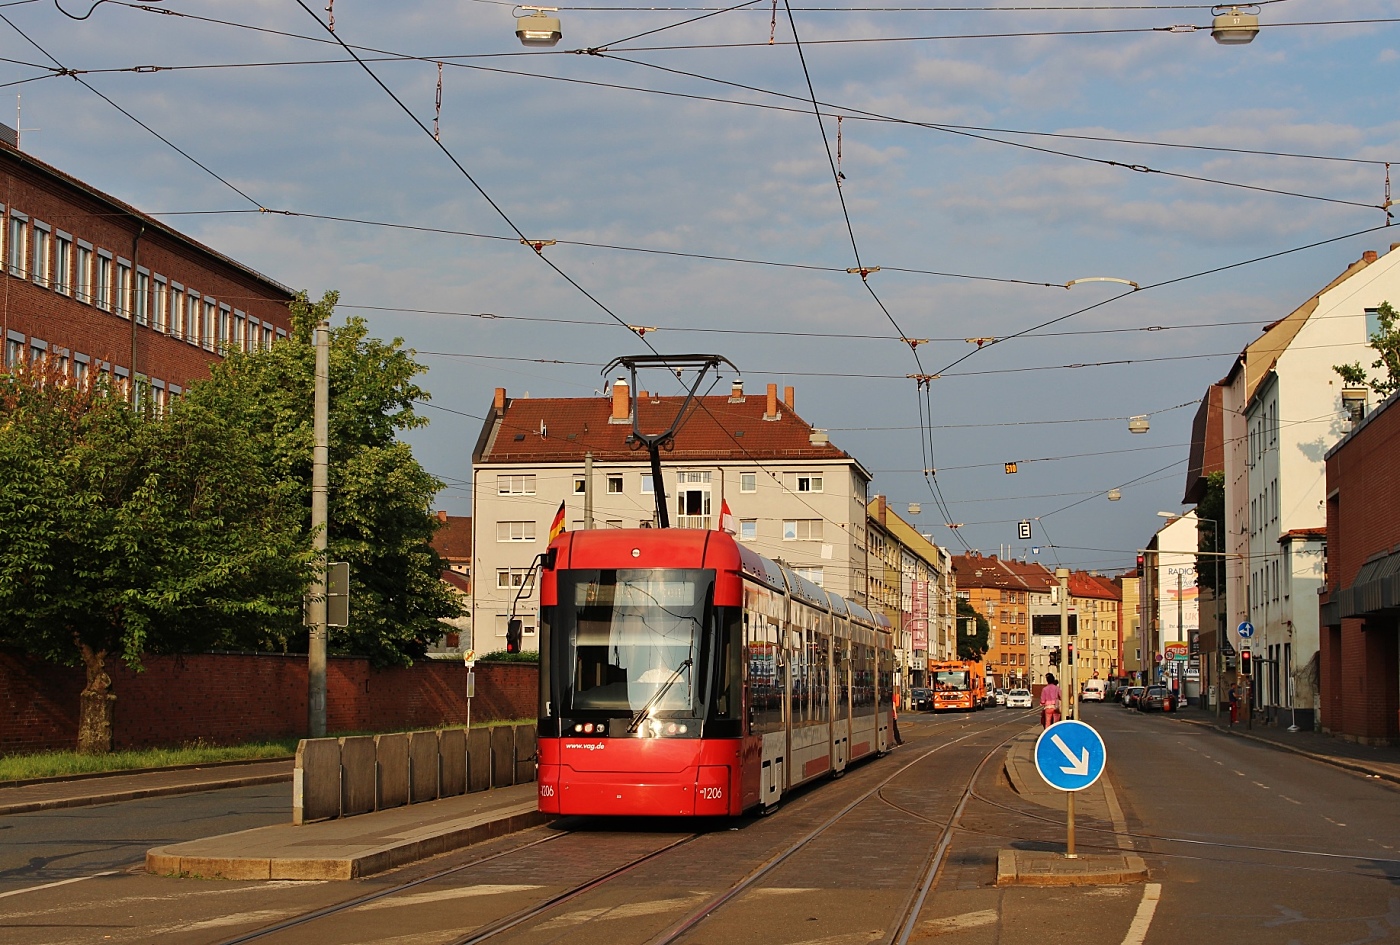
{"x":621,"y":409}
{"x":442,"y":515}
{"x":771,"y":411}
{"x":641,"y":395}
{"x":500,"y":402}
{"x":1369,"y":256}
{"x":880,"y":509}
{"x":736,"y":392}
{"x":789,"y":396}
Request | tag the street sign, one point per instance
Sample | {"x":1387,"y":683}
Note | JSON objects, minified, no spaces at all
{"x":1178,"y":651}
{"x":1023,"y":528}
{"x":1070,"y":756}
{"x":1246,"y":630}
{"x":1226,"y":648}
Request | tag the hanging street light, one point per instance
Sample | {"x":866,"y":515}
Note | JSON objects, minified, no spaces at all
{"x":1233,"y":28}
{"x":1114,"y":495}
{"x":1138,"y":424}
{"x":537,"y":29}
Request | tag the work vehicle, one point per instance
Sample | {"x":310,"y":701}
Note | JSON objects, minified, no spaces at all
{"x":958,"y":684}
{"x":682,"y":674}
{"x":1018,"y":699}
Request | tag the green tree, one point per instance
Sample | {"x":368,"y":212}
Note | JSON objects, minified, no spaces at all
{"x":1386,"y":342}
{"x":972,"y":646}
{"x":1210,"y":568}
{"x":124,"y":533}
{"x":380,"y":497}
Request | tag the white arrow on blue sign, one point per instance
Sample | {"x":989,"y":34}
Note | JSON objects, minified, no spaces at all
{"x":1070,"y":756}
{"x":1246,"y":630}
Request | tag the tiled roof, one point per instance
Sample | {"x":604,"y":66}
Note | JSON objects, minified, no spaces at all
{"x":459,"y":581}
{"x":1035,"y":575}
{"x":454,"y":539}
{"x":1084,"y":585}
{"x":561,"y":430}
{"x":974,"y":570}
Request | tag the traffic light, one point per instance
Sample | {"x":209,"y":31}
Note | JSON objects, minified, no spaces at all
{"x":513,"y":631}
{"x":1139,"y":564}
{"x":1055,"y":656}
{"x":1071,"y":654}
{"x":1244,"y":661}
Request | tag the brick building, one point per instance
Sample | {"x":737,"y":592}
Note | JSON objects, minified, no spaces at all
{"x":1359,"y":656}
{"x":1005,"y":592}
{"x":93,"y":286}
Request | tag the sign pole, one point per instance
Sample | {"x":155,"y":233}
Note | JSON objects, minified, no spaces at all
{"x":1062,"y":574}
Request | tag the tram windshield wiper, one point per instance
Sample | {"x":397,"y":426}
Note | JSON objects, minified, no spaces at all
{"x":661,"y":691}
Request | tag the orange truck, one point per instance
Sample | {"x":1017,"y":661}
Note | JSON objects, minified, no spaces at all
{"x":958,"y":685}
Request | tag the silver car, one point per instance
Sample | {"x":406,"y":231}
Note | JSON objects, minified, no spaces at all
{"x":1018,"y":699}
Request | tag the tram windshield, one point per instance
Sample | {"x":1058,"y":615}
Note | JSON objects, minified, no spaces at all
{"x":632,"y":639}
{"x":952,"y":679}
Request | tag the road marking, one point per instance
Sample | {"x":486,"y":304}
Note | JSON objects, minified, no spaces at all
{"x":1264,"y":786}
{"x":1137,"y":932}
{"x":61,"y":882}
{"x":1331,"y":821}
{"x":1240,"y":773}
{"x":955,"y":923}
{"x":440,"y":895}
{"x":1291,"y":800}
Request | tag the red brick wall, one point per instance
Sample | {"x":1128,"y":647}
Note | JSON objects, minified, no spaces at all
{"x":36,"y":311}
{"x":231,"y":698}
{"x":1360,"y":664}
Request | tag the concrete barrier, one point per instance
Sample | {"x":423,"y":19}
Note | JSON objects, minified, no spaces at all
{"x":392,"y":756}
{"x":316,"y":780}
{"x":422,"y":767}
{"x":503,"y":756}
{"x":452,"y":762}
{"x":478,"y":760}
{"x":525,"y":754}
{"x":359,"y":775}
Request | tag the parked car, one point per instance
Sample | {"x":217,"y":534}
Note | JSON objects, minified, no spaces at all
{"x":1157,"y":699}
{"x":1000,"y":696}
{"x":921,"y":699}
{"x":1018,"y":699}
{"x":1128,"y":696}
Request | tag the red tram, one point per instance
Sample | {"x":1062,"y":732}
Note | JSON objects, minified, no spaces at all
{"x":681,"y":674}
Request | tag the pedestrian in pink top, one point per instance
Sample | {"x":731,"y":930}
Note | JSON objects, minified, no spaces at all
{"x":1049,"y":702}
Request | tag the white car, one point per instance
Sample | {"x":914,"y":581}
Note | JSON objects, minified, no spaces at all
{"x":1018,"y":699}
{"x":1093,"y":691}
{"x":1000,"y":696}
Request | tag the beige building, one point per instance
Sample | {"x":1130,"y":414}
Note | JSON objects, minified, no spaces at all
{"x":911,"y":582}
{"x":794,"y":496}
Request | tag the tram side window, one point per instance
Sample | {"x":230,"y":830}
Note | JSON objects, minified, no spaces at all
{"x":886,"y":677}
{"x":766,"y":683}
{"x":797,"y":656}
{"x":728,"y":671}
{"x":819,"y":645}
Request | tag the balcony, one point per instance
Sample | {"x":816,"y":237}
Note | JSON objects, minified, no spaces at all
{"x":694,"y":521}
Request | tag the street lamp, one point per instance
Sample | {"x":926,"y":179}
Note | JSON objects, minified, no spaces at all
{"x":1233,"y":28}
{"x":537,"y":29}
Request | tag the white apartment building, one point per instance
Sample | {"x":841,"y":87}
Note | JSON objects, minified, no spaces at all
{"x":794,"y":496}
{"x":1283,"y":410}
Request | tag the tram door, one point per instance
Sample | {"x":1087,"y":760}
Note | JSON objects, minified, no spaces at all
{"x":771,"y":685}
{"x":840,"y":703}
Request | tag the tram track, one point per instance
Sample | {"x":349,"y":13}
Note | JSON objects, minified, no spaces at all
{"x":493,"y":929}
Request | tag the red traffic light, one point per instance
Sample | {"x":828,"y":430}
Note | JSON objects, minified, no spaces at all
{"x":1244,"y":662}
{"x":513,"y":632}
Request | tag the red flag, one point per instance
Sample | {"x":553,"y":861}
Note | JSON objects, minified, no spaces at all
{"x":557,"y":527}
{"x":726,"y":519}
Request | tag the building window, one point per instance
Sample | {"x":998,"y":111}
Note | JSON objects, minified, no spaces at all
{"x":143,"y":297}
{"x":809,"y":483}
{"x":515,"y":485}
{"x":62,"y":263}
{"x":240,"y":330}
{"x":160,"y":306}
{"x":515,"y":531}
{"x":748,"y":482}
{"x":123,"y":300}
{"x":82,"y":273}
{"x":225,"y":327}
{"x":208,"y":330}
{"x":613,"y":523}
{"x":514,"y":579}
{"x":102,"y":281}
{"x":579,"y":485}
{"x":527,"y":624}
{"x":42,"y":244}
{"x":748,"y":529}
{"x":19,"y":243}
{"x":815,"y":575}
{"x":802,"y":529}
{"x":647,"y":488}
{"x":192,"y":316}
{"x":614,"y":485}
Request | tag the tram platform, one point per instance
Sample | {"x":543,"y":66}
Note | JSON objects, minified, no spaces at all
{"x":352,"y":847}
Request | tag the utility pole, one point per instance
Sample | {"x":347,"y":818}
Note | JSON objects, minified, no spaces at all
{"x":1062,"y":575}
{"x":316,"y":607}
{"x":588,"y":490}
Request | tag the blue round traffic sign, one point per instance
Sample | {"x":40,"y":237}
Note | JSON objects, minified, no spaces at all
{"x":1246,"y":630}
{"x":1070,"y":755}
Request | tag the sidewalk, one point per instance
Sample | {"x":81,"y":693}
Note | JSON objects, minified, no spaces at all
{"x":351,"y":847}
{"x":55,"y":794}
{"x":1378,"y":761}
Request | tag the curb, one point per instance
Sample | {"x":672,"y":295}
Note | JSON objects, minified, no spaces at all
{"x":1324,"y":759}
{"x":91,"y":775}
{"x":167,"y":861}
{"x":90,"y":800}
{"x":1040,"y":868}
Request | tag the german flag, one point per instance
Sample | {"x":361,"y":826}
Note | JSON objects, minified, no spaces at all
{"x":556,"y":528}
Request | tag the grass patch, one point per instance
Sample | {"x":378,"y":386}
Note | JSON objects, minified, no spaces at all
{"x":55,"y":764}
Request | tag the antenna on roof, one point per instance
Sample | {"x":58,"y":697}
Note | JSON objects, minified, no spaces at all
{"x":655,"y":442}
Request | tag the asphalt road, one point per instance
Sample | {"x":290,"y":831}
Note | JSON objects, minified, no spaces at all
{"x":51,"y":846}
{"x":1247,"y":845}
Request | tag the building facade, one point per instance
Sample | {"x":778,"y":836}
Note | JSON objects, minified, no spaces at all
{"x":907,"y":567}
{"x":793,"y":496}
{"x":95,"y":288}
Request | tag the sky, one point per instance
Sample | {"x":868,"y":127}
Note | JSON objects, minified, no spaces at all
{"x":989,"y":153}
